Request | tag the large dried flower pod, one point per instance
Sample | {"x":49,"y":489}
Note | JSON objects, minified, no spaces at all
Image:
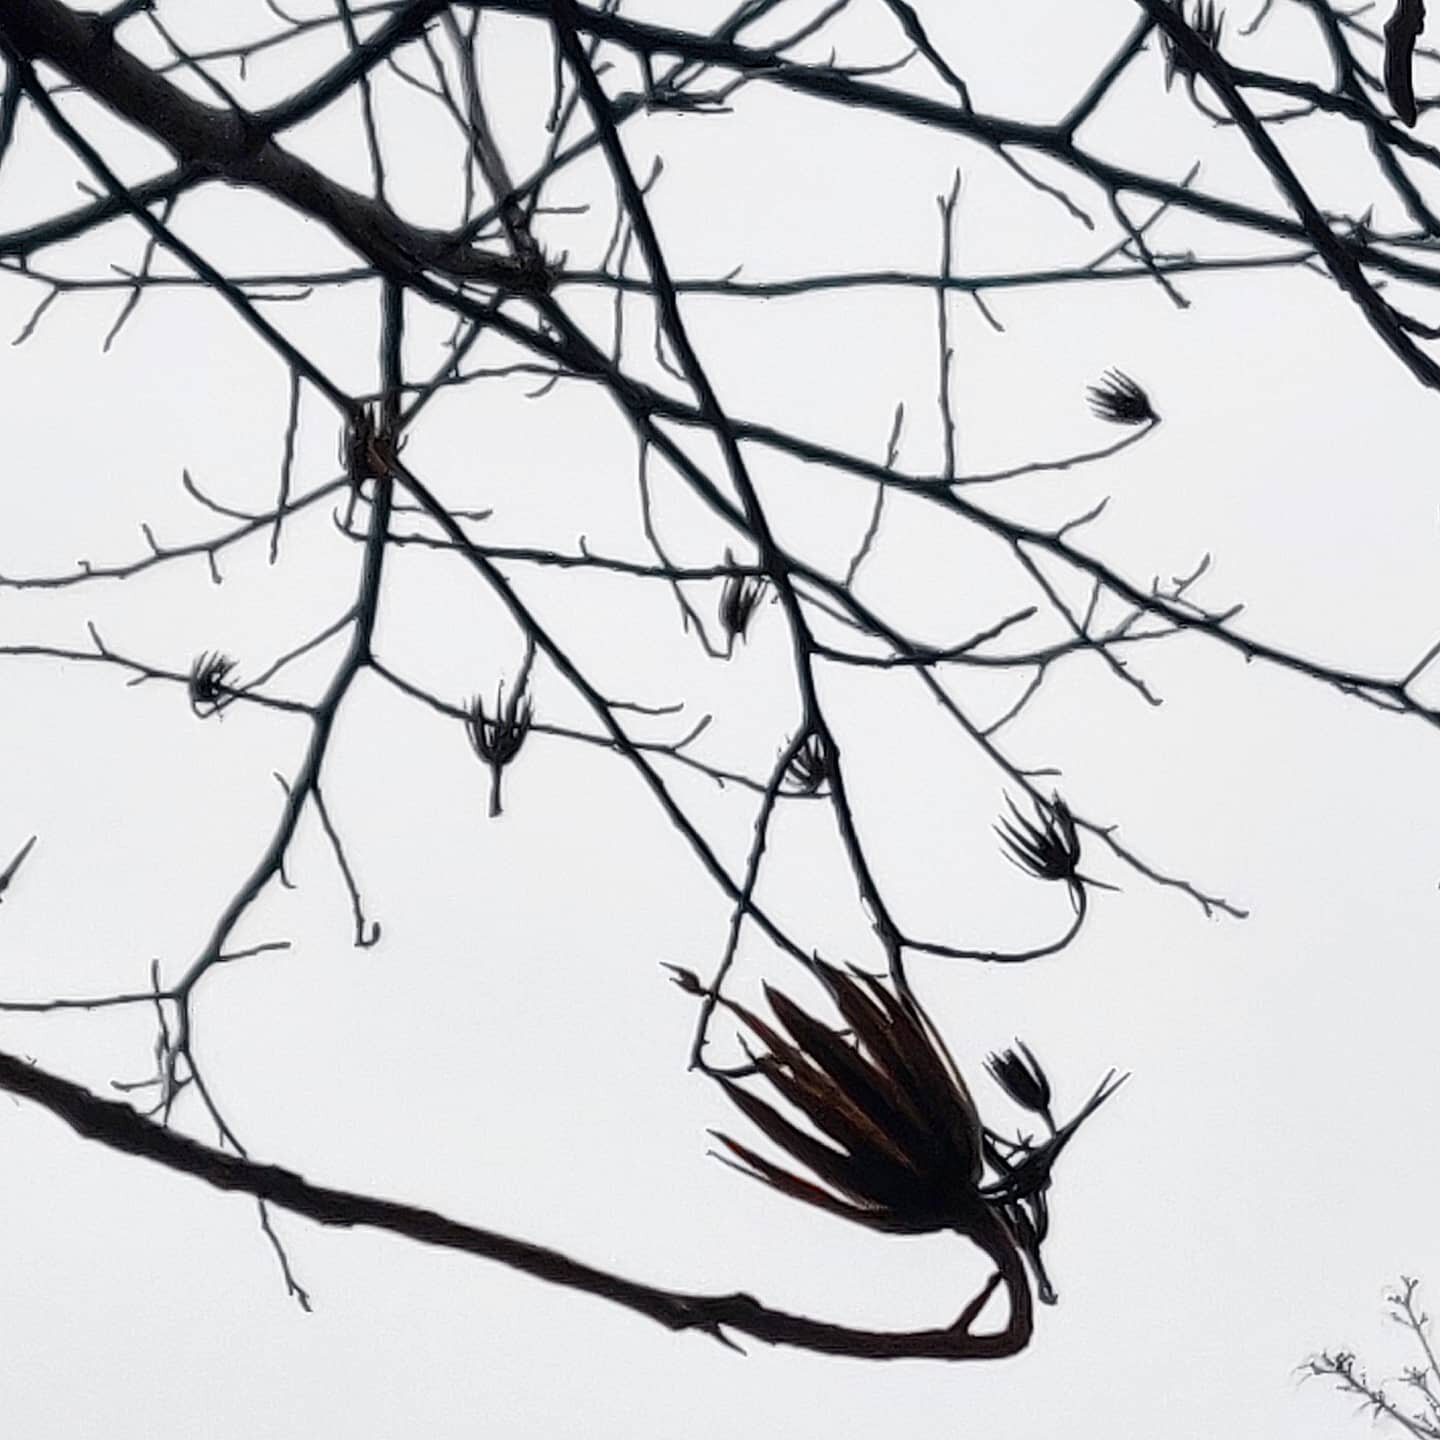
{"x":910,"y":1159}
{"x":896,"y":1144}
{"x":904,"y":1149}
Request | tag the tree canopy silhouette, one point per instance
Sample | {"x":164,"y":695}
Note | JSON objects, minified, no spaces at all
{"x":484,"y":186}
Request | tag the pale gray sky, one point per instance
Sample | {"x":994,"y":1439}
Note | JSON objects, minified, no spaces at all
{"x":510,"y":1053}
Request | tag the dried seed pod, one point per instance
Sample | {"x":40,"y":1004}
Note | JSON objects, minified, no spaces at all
{"x":904,"y":1149}
{"x":1023,"y":1079}
{"x":1208,"y":24}
{"x":810,"y":768}
{"x":738,"y":602}
{"x":207,"y":686}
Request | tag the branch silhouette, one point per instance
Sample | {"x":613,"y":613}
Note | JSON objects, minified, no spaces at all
{"x":613,"y":320}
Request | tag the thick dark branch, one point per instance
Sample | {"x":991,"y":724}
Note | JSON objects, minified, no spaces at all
{"x":121,"y":1128}
{"x":824,"y":82}
{"x":1337,"y":255}
{"x":238,"y":147}
{"x":756,"y":522}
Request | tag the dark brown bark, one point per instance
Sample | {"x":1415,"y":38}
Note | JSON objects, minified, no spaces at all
{"x":241,"y":148}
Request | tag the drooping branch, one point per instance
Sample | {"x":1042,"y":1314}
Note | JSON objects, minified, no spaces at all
{"x":120,"y":1128}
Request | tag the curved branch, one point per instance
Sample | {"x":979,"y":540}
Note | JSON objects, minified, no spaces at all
{"x":117,"y":1126}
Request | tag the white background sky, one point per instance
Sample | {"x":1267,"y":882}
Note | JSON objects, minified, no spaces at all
{"x":511,"y":1053}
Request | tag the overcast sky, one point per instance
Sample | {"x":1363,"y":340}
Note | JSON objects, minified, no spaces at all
{"x":511,"y":1053}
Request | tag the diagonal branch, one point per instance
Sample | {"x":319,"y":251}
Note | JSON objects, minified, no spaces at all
{"x":238,"y":146}
{"x":118,"y":1127}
